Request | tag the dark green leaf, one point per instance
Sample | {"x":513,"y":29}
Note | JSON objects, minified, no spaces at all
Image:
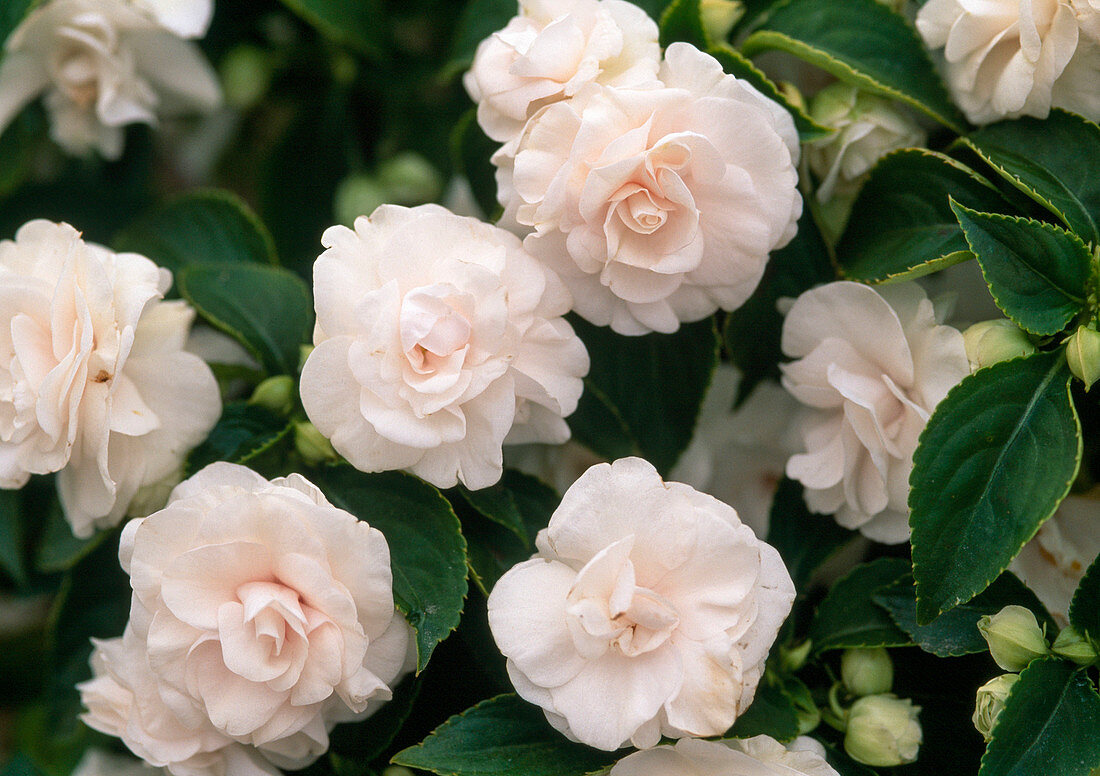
{"x":479,"y":20}
{"x":955,"y":632}
{"x":995,"y":460}
{"x":503,"y":736}
{"x":772,"y":713}
{"x":848,"y":616}
{"x":535,"y":499}
{"x":12,"y":12}
{"x":266,"y":309}
{"x":1036,"y":272}
{"x":352,"y":23}
{"x":427,"y":550}
{"x":18,"y":144}
{"x":642,"y":394}
{"x":496,"y":503}
{"x":243,"y":432}
{"x":862,"y":42}
{"x":204,"y":227}
{"x":805,"y":540}
{"x":683,"y":21}
{"x":902,"y":225}
{"x":1084,"y":611}
{"x":11,"y":537}
{"x":365,"y":741}
{"x":20,"y":765}
{"x":1055,"y":161}
{"x":58,"y":549}
{"x":471,"y":150}
{"x":1048,"y":726}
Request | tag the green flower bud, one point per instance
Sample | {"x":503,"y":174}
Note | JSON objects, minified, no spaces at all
{"x":357,"y":195}
{"x":719,"y":17}
{"x":866,"y":671}
{"x":312,"y":445}
{"x":793,"y":658}
{"x":990,"y":342}
{"x":409,"y":179}
{"x":1083,"y":354}
{"x":989,"y":702}
{"x":1014,"y":637}
{"x":246,"y":76}
{"x":1073,"y":646}
{"x":278,"y":394}
{"x":883,"y":730}
{"x":303,"y":353}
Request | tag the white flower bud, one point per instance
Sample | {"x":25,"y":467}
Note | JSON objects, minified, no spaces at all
{"x":277,"y":394}
{"x":1083,"y":354}
{"x":1014,"y":637}
{"x":719,"y":17}
{"x":867,"y":671}
{"x":990,"y":701}
{"x":990,"y":342}
{"x":883,"y":730}
{"x":1075,"y":647}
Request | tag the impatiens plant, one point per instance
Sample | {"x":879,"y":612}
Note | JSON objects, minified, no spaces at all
{"x":549,"y":388}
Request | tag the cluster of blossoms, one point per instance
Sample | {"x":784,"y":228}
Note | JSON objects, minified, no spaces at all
{"x":104,"y":64}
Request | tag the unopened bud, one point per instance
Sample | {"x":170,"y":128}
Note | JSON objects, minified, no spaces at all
{"x":866,"y":671}
{"x":357,"y":195}
{"x":312,"y":445}
{"x":409,"y":179}
{"x":1083,"y":354}
{"x":883,"y":730}
{"x":990,"y":342}
{"x":719,"y":17}
{"x":990,"y":701}
{"x":277,"y":394}
{"x":793,"y":658}
{"x":1073,"y":646}
{"x":246,"y":75}
{"x":1014,"y":637}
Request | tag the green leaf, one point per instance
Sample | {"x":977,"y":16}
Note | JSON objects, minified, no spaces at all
{"x":497,"y":504}
{"x":203,"y":227}
{"x":955,"y":632}
{"x":902,"y":225}
{"x":752,"y":332}
{"x":352,"y":23}
{"x":535,"y":499}
{"x":427,"y":550}
{"x":772,"y":713}
{"x":243,"y":432}
{"x":805,"y":540}
{"x":12,"y":12}
{"x":20,"y":765}
{"x":643,"y":394}
{"x":1048,"y":726}
{"x":862,"y":42}
{"x":735,"y":63}
{"x":503,"y":736}
{"x":18,"y":144}
{"x":1084,"y":610}
{"x":364,"y":742}
{"x":11,"y":537}
{"x":58,"y":549}
{"x":683,"y":21}
{"x":266,"y":309}
{"x":1055,"y":161}
{"x":1038,"y":274}
{"x":995,"y":460}
{"x":471,"y":150}
{"x":479,"y":20}
{"x":848,"y":616}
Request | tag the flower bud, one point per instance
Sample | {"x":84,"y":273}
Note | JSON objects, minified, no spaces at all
{"x":409,"y":179}
{"x":246,"y":75}
{"x":719,"y":17}
{"x":312,"y":445}
{"x":989,"y":702}
{"x":990,"y":342}
{"x":883,"y":730}
{"x":866,"y":671}
{"x":357,"y":195}
{"x":1073,"y":646}
{"x":1083,"y":354}
{"x":793,"y":658}
{"x":277,"y":394}
{"x":1014,"y":637}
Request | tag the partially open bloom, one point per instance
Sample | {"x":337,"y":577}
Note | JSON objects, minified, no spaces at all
{"x":871,"y":366}
{"x":550,"y":50}
{"x":657,"y":205}
{"x":757,"y":756}
{"x":883,"y":731}
{"x":649,"y":610}
{"x":261,"y":616}
{"x":102,"y":64}
{"x":990,"y":702}
{"x":438,"y":340}
{"x":94,"y":381}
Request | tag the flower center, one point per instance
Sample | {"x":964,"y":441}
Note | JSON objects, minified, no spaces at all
{"x":271,"y":609}
{"x":432,"y":330}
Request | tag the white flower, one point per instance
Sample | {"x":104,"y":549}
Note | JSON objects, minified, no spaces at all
{"x":1001,"y":56}
{"x":94,"y":382}
{"x":1078,"y":88}
{"x":657,"y":205}
{"x":102,"y":64}
{"x":739,"y":455}
{"x":872,"y":364}
{"x":1053,"y":563}
{"x":438,"y":340}
{"x":867,"y":128}
{"x":552,"y":49}
{"x":261,"y":615}
{"x":186,"y":18}
{"x":757,"y":756}
{"x":649,"y":610}
{"x":100,"y":762}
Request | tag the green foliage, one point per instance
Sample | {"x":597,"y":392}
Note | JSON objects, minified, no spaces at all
{"x":364,"y":742}
{"x":503,"y":736}
{"x":805,"y":540}
{"x":1084,"y":610}
{"x":683,"y":21}
{"x":1055,"y":161}
{"x":351,"y":23}
{"x":58,"y":549}
{"x":862,"y":42}
{"x":902,"y":225}
{"x":427,"y":550}
{"x":12,"y":12}
{"x":244,"y":432}
{"x":1048,"y":725}
{"x":848,"y":616}
{"x":479,"y":20}
{"x":471,"y":150}
{"x":642,"y":395}
{"x":12,"y":546}
{"x":1038,"y":274}
{"x":772,"y":713}
{"x":266,"y":309}
{"x":995,"y":460}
